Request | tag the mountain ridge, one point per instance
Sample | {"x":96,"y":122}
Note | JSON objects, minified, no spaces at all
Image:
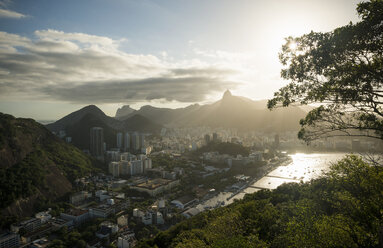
{"x":229,"y":112}
{"x":78,"y":123}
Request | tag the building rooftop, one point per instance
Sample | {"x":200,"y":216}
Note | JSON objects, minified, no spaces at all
{"x":154,"y":183}
{"x":76,"y":212}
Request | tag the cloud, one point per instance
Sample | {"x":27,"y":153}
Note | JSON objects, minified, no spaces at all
{"x":4,"y":13}
{"x":188,"y":89}
{"x":83,"y":68}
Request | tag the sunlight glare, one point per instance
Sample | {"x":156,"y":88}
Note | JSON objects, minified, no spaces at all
{"x":293,"y":45}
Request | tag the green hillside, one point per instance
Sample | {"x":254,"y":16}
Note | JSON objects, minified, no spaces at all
{"x":342,"y":209}
{"x":35,"y":164}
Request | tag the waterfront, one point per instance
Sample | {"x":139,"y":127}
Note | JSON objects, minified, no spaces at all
{"x":303,"y":167}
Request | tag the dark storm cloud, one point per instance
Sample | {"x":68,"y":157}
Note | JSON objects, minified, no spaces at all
{"x":80,"y":68}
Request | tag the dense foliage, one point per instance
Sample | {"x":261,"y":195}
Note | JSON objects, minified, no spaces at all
{"x":22,"y":179}
{"x":167,"y":162}
{"x":36,"y":153}
{"x":342,"y":209}
{"x":343,"y":70}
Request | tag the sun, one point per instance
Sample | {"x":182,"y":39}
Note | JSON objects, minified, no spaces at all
{"x":293,"y":45}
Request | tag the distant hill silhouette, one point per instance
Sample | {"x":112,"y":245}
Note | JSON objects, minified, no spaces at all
{"x":76,"y":116}
{"x":124,"y":111}
{"x":77,"y":125}
{"x":230,"y":112}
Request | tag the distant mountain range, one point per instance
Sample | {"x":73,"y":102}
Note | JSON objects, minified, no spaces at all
{"x":124,"y":111}
{"x":229,"y":112}
{"x":78,"y":124}
{"x":35,"y":165}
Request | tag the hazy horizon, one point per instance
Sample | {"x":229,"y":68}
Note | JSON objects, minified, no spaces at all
{"x":58,"y":57}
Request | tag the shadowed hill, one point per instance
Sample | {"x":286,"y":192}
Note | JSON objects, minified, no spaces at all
{"x":78,"y":124}
{"x":35,"y":165}
{"x":78,"y":115}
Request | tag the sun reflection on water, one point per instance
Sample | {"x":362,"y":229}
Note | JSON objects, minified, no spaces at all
{"x":303,"y":167}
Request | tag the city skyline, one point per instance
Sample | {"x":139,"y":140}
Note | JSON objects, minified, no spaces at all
{"x":60,"y":56}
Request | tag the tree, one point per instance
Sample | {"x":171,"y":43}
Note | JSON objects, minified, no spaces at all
{"x":343,"y":71}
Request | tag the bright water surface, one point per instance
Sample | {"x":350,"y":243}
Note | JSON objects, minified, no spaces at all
{"x":304,"y":166}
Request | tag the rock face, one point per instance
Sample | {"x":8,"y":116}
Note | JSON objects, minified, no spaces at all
{"x":124,"y":111}
{"x":35,"y":165}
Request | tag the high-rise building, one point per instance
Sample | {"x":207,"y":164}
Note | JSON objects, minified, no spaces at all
{"x":276,"y":140}
{"x":137,"y":167}
{"x":125,"y":167}
{"x":136,"y":141}
{"x":119,"y":140}
{"x":114,"y":169}
{"x":147,"y":163}
{"x":207,"y":138}
{"x":97,"y":142}
{"x":142,"y":140}
{"x":215,"y":137}
{"x":127,"y":141}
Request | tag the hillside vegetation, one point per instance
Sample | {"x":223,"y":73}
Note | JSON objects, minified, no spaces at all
{"x":35,"y":164}
{"x":342,"y":209}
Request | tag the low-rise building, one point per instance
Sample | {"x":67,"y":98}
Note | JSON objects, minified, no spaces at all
{"x":40,"y":232}
{"x":105,"y":209}
{"x":28,"y":225}
{"x":191,"y":212}
{"x":119,"y":184}
{"x":78,"y":216}
{"x":43,"y":216}
{"x":122,"y":221}
{"x":156,"y":186}
{"x":184,"y":201}
{"x":79,"y":197}
{"x":126,"y":240}
{"x":59,"y":223}
{"x":9,"y":240}
{"x":106,"y":229}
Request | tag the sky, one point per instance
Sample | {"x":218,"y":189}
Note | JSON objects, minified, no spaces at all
{"x":58,"y":56}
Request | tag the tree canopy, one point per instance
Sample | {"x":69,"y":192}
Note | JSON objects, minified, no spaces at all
{"x":343,"y":71}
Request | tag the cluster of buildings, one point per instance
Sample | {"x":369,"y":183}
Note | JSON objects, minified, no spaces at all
{"x":9,"y":240}
{"x":130,"y":165}
{"x":216,"y":157}
{"x":156,"y":186}
{"x":150,"y":217}
{"x":103,"y":204}
{"x":30,"y":229}
{"x":349,"y":144}
{"x":128,"y":141}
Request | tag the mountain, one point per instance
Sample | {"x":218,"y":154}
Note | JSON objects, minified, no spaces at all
{"x":230,"y":112}
{"x":77,"y":125}
{"x":78,"y":115}
{"x":124,"y":111}
{"x":35,"y":165}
